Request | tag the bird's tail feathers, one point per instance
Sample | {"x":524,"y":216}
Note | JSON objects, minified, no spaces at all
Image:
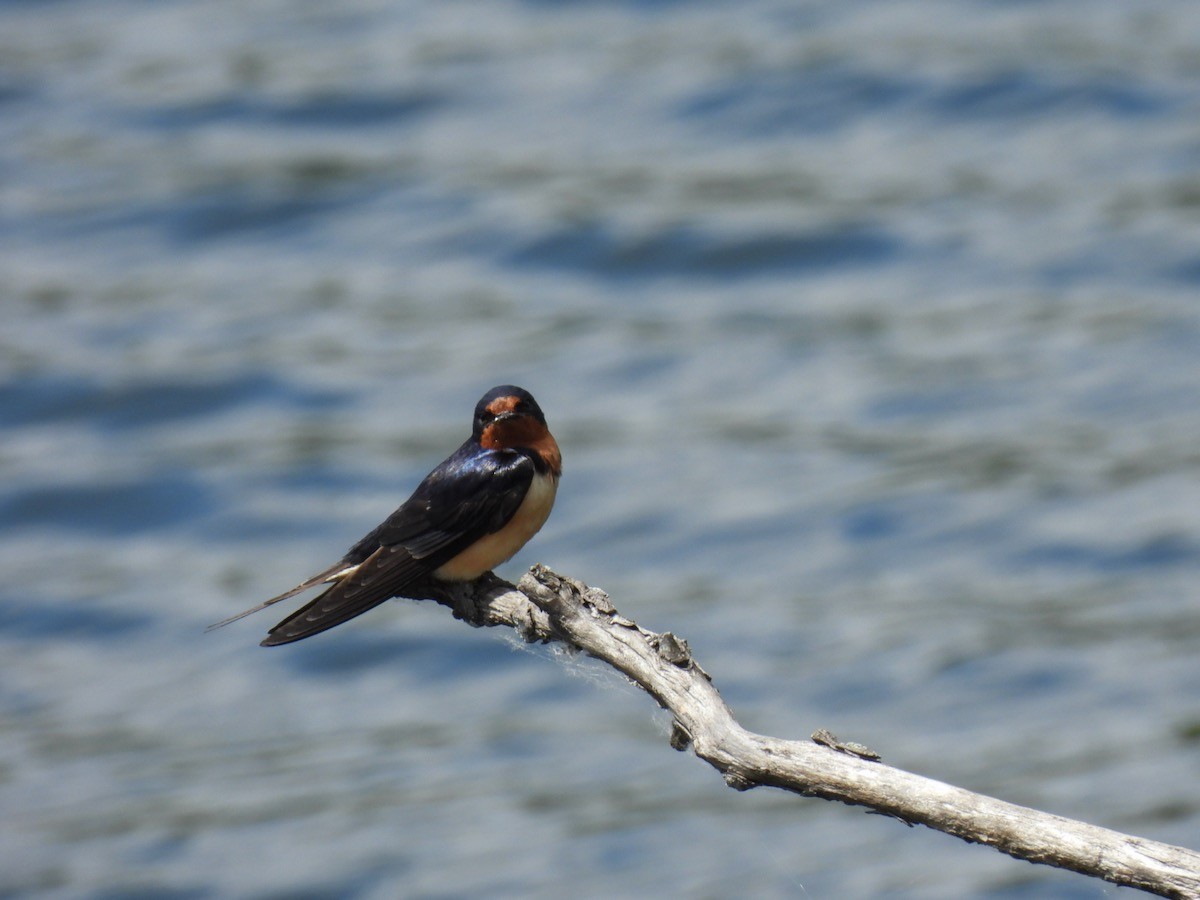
{"x":335,"y":572}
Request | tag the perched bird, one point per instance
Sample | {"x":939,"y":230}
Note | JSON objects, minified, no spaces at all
{"x":471,"y":513}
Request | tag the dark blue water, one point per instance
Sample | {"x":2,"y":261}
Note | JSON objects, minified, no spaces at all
{"x":870,"y":335}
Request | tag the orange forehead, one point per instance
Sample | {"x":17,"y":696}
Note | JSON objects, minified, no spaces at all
{"x":503,"y":405}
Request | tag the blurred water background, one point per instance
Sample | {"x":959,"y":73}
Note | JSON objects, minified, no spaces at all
{"x":870,"y":334}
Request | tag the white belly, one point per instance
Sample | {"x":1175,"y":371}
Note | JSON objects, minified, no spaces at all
{"x":500,"y":546}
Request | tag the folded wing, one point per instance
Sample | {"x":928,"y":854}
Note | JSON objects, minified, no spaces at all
{"x":470,"y":495}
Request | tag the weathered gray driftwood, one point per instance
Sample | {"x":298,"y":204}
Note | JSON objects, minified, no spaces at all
{"x":546,"y":606}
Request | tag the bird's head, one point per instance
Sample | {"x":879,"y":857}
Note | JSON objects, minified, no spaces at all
{"x":508,"y":418}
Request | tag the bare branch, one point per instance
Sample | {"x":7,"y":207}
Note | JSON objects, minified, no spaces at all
{"x":549,"y":607}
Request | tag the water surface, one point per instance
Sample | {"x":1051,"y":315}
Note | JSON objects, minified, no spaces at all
{"x":869,"y":332}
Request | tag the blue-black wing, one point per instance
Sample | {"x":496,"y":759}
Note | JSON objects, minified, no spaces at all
{"x":472,"y":494}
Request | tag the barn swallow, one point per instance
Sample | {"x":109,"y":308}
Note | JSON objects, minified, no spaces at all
{"x":470,"y":514}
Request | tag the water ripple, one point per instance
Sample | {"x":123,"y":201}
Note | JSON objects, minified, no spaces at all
{"x":692,"y":252}
{"x":50,"y":398}
{"x":362,"y":109}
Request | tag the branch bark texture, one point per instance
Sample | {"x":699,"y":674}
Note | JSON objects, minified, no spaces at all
{"x":546,"y":606}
